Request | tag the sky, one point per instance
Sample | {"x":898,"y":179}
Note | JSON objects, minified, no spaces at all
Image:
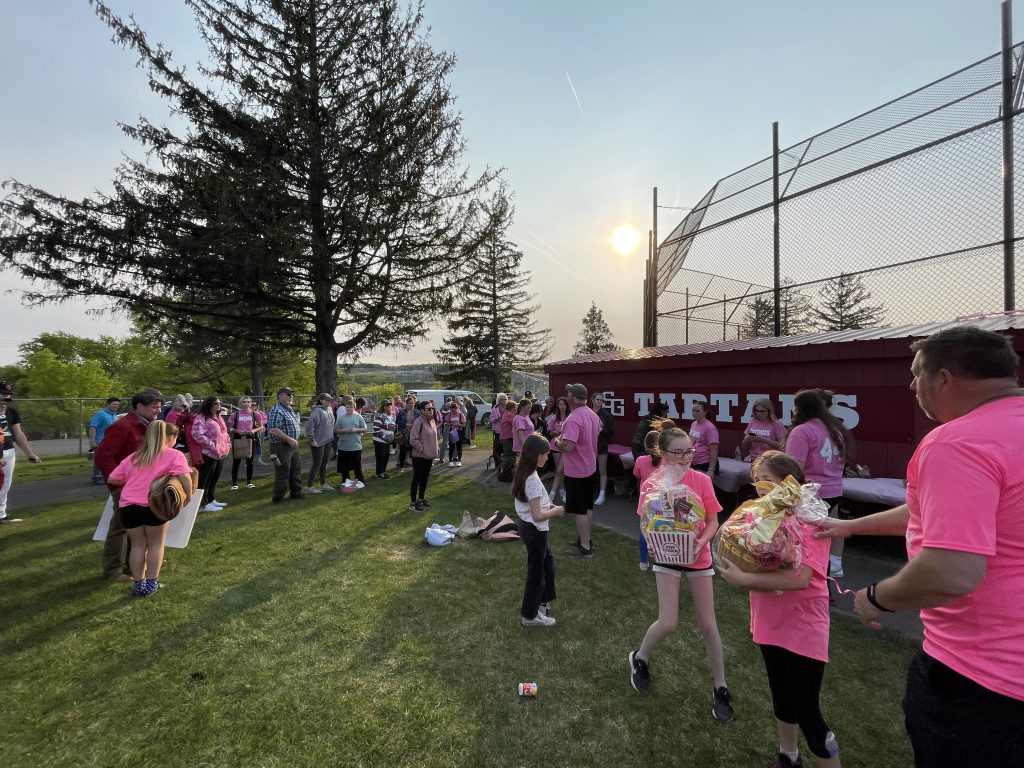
{"x":586,"y":105}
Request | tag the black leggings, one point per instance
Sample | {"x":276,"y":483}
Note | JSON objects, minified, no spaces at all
{"x":350,"y":461}
{"x":455,"y":451}
{"x":234,"y":470}
{"x":795,"y":682}
{"x":420,"y":476}
{"x":381,"y":453}
{"x":209,"y":474}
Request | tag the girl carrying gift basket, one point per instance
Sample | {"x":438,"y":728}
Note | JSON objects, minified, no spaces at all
{"x":789,"y":621}
{"x":678,"y":502}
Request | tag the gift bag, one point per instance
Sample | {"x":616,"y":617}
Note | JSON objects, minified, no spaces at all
{"x":241,"y":448}
{"x":672,"y":514}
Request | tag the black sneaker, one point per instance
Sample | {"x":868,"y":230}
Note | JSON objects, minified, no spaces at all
{"x":425,"y":503}
{"x":722,"y":708}
{"x":415,"y":507}
{"x":783,"y":761}
{"x":278,"y":499}
{"x":639,"y":674}
{"x":577,"y":550}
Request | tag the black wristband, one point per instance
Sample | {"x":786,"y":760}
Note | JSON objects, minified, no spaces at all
{"x":874,"y":601}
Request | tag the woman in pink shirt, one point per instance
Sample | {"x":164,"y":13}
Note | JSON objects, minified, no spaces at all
{"x":789,"y":621}
{"x":554,"y":421}
{"x":821,"y":444}
{"x":154,"y":458}
{"x":676,"y":451}
{"x":211,"y":435}
{"x":522,"y":427}
{"x":704,"y":435}
{"x":764,"y":432}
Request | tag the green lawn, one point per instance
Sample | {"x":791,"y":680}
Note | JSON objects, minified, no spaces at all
{"x":53,"y":466}
{"x":326,"y":633}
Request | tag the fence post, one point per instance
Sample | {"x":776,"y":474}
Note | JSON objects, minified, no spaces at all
{"x":724,"y":299}
{"x":1009,"y":289}
{"x":777,"y":300}
{"x":687,"y":314}
{"x":81,"y":423}
{"x":654,"y":273}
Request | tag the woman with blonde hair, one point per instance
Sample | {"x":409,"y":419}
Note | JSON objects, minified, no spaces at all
{"x":764,"y":432}
{"x":154,"y":458}
{"x":246,"y":423}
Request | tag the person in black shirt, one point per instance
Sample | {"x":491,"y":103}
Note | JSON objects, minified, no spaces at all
{"x":11,"y":431}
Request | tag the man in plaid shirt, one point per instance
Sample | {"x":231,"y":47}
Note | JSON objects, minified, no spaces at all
{"x":283,"y":430}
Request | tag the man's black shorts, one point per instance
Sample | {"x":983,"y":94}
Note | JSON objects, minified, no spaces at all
{"x":579,"y":494}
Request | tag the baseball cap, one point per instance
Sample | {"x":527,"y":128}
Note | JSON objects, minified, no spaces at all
{"x":578,"y":391}
{"x":284,"y":391}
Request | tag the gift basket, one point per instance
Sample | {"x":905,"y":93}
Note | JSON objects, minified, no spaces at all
{"x":671,"y":513}
{"x":764,"y":534}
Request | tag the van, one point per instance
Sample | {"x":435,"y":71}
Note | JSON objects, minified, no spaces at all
{"x":439,"y":395}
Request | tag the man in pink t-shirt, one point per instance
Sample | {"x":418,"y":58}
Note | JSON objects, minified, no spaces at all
{"x":578,"y":444}
{"x":962,"y":521}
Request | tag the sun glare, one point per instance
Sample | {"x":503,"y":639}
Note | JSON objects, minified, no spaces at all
{"x":625,"y":239}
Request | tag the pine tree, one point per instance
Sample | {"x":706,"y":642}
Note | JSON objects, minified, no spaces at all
{"x":759,"y":314}
{"x":491,"y":329}
{"x":317,"y":174}
{"x":844,"y":305}
{"x":595,"y":335}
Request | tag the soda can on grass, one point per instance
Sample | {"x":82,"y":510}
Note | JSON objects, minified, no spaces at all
{"x":527,"y":689}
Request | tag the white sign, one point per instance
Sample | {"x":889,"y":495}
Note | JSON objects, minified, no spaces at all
{"x":179,"y":530}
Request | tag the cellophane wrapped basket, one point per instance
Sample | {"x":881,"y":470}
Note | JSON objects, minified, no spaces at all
{"x":671,"y":514}
{"x":764,"y":534}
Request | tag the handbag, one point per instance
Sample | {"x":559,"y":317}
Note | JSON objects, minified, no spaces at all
{"x":241,"y":448}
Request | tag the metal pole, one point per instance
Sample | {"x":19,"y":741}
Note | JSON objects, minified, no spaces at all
{"x":654,"y":271}
{"x":723,"y":316}
{"x":687,"y":314}
{"x":1009,"y":288}
{"x":777,"y":300}
{"x":81,"y":423}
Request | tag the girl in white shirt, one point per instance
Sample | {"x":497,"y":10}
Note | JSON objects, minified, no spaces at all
{"x":534,"y":510}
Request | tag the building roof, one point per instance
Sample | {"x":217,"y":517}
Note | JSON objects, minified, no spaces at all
{"x":1000,"y":321}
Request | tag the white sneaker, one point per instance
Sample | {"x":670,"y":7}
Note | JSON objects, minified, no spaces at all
{"x":551,"y":497}
{"x":210,"y":508}
{"x":540,"y":621}
{"x":451,"y":463}
{"x":250,"y":485}
{"x":220,"y":504}
{"x":326,"y":487}
{"x":600,"y":499}
{"x":234,"y":487}
{"x":393,"y":451}
{"x":644,"y":566}
{"x":458,"y":463}
{"x":347,"y":484}
{"x":472,"y":445}
{"x":563,"y":496}
{"x":360,"y":485}
{"x":312,"y":490}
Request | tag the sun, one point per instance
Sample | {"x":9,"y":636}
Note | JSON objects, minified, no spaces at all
{"x":625,"y":239}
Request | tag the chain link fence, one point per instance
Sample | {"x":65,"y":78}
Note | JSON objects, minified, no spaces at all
{"x":905,"y":201}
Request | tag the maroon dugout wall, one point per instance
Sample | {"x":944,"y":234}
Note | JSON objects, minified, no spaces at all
{"x":869,"y":376}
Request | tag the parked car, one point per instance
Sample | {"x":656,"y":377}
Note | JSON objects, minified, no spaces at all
{"x":438,"y":396}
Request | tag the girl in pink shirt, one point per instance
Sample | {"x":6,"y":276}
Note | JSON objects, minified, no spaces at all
{"x":704,"y":435}
{"x":555,"y":420}
{"x":676,"y":451}
{"x":642,"y":469}
{"x":789,"y":621}
{"x":821,"y":444}
{"x":154,"y":458}
{"x":764,"y":432}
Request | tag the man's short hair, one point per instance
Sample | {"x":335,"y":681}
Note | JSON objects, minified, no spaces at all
{"x":968,"y":352}
{"x":113,"y":400}
{"x":146,"y":397}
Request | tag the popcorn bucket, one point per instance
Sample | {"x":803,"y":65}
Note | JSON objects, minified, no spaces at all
{"x":671,"y":547}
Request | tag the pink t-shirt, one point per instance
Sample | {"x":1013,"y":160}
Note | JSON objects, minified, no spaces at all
{"x":582,"y":428}
{"x":965,"y":492}
{"x":823,"y":462}
{"x":797,"y":620}
{"x":520,"y":424}
{"x":773,"y":430}
{"x":138,"y":479}
{"x":554,"y":429}
{"x":642,"y":469}
{"x":703,"y":435}
{"x":700,"y":484}
{"x":505,"y":427}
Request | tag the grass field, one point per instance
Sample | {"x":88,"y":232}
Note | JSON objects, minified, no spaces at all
{"x":326,"y":633}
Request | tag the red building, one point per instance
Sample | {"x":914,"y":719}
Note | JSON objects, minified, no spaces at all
{"x":868,"y":370}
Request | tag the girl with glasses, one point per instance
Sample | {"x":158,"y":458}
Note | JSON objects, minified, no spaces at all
{"x":676,"y":451}
{"x":764,"y":432}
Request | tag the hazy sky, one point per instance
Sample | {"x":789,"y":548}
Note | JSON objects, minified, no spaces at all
{"x":586,"y":104}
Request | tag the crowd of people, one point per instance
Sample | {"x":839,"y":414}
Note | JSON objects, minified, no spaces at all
{"x":964,"y":703}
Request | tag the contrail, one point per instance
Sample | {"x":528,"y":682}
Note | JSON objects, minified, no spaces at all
{"x":575,"y":95}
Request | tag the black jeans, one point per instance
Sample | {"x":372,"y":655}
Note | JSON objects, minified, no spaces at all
{"x":795,"y":682}
{"x":287,"y":474}
{"x":209,"y":474}
{"x":540,"y":570}
{"x":420,"y":476}
{"x":350,"y":461}
{"x":455,"y":450}
{"x":235,"y":463}
{"x":954,"y":721}
{"x":381,"y":452}
{"x":404,"y":450}
{"x":321,"y":456}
